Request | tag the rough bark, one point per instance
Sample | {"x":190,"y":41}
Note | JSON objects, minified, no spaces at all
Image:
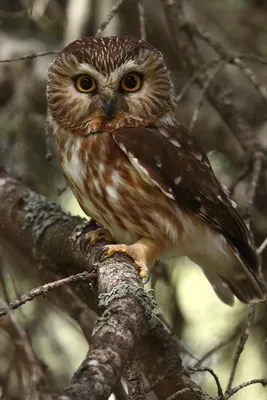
{"x":55,"y":242}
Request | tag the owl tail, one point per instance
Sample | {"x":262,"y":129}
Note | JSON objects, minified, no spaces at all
{"x":240,"y":281}
{"x":220,"y":287}
{"x":244,"y":280}
{"x":248,"y":290}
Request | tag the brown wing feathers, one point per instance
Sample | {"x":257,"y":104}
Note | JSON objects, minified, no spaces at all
{"x":176,"y":161}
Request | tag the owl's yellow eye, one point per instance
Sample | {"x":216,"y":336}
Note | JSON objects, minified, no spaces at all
{"x":84,"y":83}
{"x":131,"y":82}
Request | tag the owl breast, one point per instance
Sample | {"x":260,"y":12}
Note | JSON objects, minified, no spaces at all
{"x":111,"y":191}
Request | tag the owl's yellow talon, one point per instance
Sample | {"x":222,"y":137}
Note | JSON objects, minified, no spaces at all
{"x":100,"y":234}
{"x":116,"y":248}
{"x":135,"y":252}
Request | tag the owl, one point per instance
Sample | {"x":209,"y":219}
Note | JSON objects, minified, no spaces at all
{"x":140,"y":174}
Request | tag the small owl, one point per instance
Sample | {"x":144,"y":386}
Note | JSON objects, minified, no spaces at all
{"x":137,"y":171}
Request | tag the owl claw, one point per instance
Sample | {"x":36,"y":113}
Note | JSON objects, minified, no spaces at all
{"x":130,"y":251}
{"x":100,"y":234}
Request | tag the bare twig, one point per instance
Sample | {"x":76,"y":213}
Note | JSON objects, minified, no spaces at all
{"x":262,"y":247}
{"x":241,"y":346}
{"x":142,"y":21}
{"x":62,"y":190}
{"x":215,"y":376}
{"x":210,"y":76}
{"x":180,"y":393}
{"x":183,"y":33}
{"x":249,"y":74}
{"x":44,"y":289}
{"x":215,"y":349}
{"x":49,"y":154}
{"x":196,"y":74}
{"x":134,"y":379}
{"x":38,"y":378}
{"x":225,"y":54}
{"x":29,"y":57}
{"x":257,"y":165}
{"x":231,"y":392}
{"x":110,"y":15}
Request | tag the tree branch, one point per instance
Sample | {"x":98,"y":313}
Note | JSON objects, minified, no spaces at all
{"x":57,"y":243}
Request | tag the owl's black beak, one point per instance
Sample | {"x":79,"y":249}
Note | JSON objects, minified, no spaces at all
{"x":109,"y":107}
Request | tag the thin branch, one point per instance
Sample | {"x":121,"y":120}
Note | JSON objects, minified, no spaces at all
{"x":180,"y":393}
{"x":114,"y":10}
{"x":257,"y":165}
{"x":196,"y":74}
{"x":215,"y":349}
{"x":38,"y":380}
{"x":253,"y":57}
{"x":262,"y":247}
{"x":210,"y":76}
{"x":44,"y":289}
{"x":142,"y":21}
{"x":231,"y":392}
{"x":249,"y":74}
{"x":241,"y":346}
{"x":225,"y":54}
{"x":49,"y":154}
{"x":29,"y":57}
{"x":183,"y":33}
{"x":215,"y":376}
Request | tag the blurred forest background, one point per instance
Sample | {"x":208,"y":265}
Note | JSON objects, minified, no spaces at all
{"x":189,"y":306}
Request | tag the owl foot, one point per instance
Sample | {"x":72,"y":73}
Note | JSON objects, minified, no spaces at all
{"x":100,"y":234}
{"x":143,"y":253}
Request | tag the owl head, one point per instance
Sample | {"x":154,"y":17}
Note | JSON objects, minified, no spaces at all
{"x":105,"y":83}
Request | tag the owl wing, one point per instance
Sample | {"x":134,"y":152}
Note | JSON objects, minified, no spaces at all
{"x":171,"y":159}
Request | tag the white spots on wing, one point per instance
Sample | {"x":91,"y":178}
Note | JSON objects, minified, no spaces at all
{"x":144,"y":173}
{"x":233,"y":203}
{"x":206,"y":163}
{"x":164,"y":132}
{"x":225,"y":189}
{"x":177,"y":180}
{"x":175,"y":142}
{"x":158,"y":161}
{"x":140,"y":168}
{"x":219,"y":198}
{"x":197,"y":156}
{"x":169,"y":194}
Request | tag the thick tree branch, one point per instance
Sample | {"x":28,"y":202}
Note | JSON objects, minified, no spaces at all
{"x":58,"y":243}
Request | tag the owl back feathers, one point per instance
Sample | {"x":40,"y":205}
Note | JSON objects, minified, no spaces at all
{"x":172,"y":159}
